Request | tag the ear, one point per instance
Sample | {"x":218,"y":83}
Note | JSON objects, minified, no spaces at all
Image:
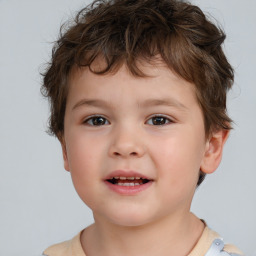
{"x":213,"y":151}
{"x":64,"y":154}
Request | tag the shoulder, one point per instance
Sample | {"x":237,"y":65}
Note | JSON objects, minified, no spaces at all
{"x":66,"y":248}
{"x":218,"y":248}
{"x":58,"y":249}
{"x":230,"y":248}
{"x":211,"y":244}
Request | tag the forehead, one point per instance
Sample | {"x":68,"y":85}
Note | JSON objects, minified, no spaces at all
{"x":151,"y":68}
{"x":145,"y":68}
{"x":159,"y":86}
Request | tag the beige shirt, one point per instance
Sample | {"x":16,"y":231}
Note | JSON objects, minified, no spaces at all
{"x":74,"y":248}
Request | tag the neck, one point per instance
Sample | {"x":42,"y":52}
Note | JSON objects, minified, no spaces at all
{"x":168,"y":236}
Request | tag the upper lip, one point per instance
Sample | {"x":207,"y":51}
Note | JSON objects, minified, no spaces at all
{"x":126,"y":174}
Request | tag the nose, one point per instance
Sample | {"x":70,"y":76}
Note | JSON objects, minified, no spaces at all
{"x":126,"y":143}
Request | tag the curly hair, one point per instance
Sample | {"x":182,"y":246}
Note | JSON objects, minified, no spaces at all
{"x":125,"y":31}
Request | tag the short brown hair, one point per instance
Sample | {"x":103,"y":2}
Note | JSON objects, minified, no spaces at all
{"x":125,"y":31}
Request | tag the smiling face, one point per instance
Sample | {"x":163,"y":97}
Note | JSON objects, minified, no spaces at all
{"x":134,"y":146}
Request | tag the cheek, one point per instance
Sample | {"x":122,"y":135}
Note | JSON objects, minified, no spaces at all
{"x":179,"y":158}
{"x":83,"y":159}
{"x":177,"y":174}
{"x":82,"y":151}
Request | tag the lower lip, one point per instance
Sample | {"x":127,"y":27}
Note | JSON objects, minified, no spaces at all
{"x":128,"y":190}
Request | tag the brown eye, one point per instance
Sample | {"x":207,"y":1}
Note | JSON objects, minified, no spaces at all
{"x":96,"y":121}
{"x":158,"y":120}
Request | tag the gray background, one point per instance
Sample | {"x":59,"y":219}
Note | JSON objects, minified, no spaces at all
{"x":38,"y":203}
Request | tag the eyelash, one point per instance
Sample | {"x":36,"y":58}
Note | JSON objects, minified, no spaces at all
{"x":163,"y":117}
{"x":91,"y":119}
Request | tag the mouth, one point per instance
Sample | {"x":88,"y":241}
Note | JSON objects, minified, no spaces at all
{"x":128,"y":181}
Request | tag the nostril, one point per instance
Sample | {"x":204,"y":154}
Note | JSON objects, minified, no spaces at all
{"x":126,"y":150}
{"x":131,"y":154}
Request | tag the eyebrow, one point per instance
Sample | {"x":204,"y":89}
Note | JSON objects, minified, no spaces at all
{"x":171,"y":102}
{"x":91,"y":102}
{"x":145,"y":104}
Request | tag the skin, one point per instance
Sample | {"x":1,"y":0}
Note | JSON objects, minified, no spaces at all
{"x":157,"y":220}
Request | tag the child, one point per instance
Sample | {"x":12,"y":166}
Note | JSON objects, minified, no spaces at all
{"x":138,"y":102}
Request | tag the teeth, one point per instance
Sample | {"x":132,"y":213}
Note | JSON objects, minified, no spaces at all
{"x":128,"y":184}
{"x":127,"y":178}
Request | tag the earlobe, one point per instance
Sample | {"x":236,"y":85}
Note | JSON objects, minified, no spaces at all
{"x":213,"y":151}
{"x":64,"y":154}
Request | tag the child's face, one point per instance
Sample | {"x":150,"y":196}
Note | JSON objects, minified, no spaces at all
{"x":124,"y":126}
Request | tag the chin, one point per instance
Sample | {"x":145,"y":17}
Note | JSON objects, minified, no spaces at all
{"x":130,"y":219}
